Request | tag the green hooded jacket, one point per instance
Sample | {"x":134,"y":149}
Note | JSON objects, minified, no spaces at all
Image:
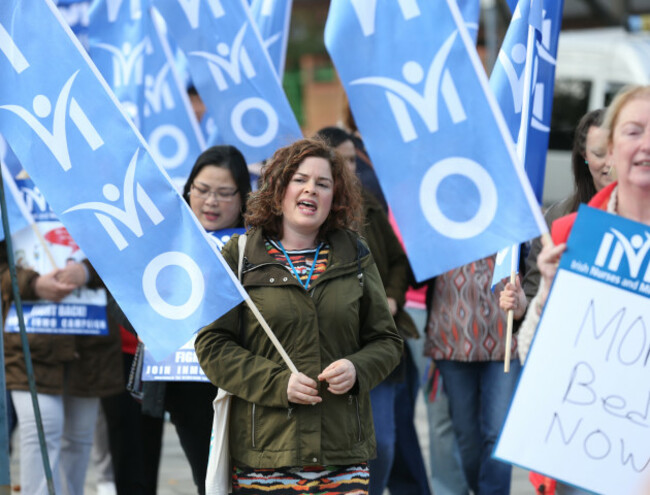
{"x":343,"y":315}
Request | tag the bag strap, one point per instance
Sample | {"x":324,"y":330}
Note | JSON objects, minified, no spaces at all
{"x":241,"y":244}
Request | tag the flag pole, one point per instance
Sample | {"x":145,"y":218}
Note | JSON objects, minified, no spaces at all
{"x":43,"y":244}
{"x":521,"y":153}
{"x":23,"y":336}
{"x":5,"y":475}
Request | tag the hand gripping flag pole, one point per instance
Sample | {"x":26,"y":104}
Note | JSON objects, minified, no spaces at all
{"x":23,"y":337}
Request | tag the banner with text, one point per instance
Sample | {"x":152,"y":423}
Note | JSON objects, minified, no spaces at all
{"x":272,"y":19}
{"x":83,"y":311}
{"x":233,"y":74}
{"x":130,"y":49}
{"x":581,"y":410}
{"x":183,"y":365}
{"x":439,"y":144}
{"x":98,"y":175}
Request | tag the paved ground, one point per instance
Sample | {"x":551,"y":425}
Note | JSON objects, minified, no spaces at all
{"x":176,"y":478}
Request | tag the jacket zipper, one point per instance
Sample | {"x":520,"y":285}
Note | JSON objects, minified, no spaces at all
{"x":356,"y":401}
{"x":253,"y":426}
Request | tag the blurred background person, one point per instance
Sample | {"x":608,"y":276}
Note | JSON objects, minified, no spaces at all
{"x":216,"y":191}
{"x":71,"y":372}
{"x":393,"y":418}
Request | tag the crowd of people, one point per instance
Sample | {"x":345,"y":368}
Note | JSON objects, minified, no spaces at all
{"x":324,"y":265}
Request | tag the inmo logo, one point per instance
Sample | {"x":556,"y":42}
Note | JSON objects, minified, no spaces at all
{"x":635,"y":249}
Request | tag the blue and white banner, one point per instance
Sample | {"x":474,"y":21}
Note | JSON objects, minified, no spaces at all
{"x":526,"y":100}
{"x":583,"y":394}
{"x":183,"y":365}
{"x":76,"y":15}
{"x":272,"y":18}
{"x":441,"y":150}
{"x":523,"y":80}
{"x":130,"y":49}
{"x":233,"y":74}
{"x":98,"y":175}
{"x":470,"y":10}
{"x":18,"y":214}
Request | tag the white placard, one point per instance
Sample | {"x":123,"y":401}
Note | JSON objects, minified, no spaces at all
{"x":581,"y":412}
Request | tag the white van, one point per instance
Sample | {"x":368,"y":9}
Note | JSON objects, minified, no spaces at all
{"x":592,"y":66}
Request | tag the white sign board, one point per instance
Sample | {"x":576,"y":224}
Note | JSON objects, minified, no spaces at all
{"x":581,"y":412}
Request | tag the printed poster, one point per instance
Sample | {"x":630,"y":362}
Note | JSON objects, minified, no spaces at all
{"x":82,"y":312}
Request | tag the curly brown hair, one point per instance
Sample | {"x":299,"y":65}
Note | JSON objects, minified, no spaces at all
{"x":264,"y":207}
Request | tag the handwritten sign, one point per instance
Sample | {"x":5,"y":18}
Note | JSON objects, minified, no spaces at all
{"x":581,"y":413}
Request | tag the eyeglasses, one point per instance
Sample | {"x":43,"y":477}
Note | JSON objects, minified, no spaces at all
{"x":222,"y":194}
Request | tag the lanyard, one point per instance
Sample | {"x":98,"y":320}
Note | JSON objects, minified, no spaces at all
{"x":293,"y":268}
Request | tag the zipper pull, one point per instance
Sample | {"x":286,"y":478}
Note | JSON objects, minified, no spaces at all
{"x":349,"y":400}
{"x":289,"y":411}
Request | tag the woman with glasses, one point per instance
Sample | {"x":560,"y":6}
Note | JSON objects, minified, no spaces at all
{"x":218,"y":187}
{"x":216,"y":191}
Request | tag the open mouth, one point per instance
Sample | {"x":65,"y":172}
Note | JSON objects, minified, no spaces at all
{"x":307,"y":204}
{"x":211,"y":216}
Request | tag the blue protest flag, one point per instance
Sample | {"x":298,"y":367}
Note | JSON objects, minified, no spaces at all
{"x":19,"y":216}
{"x":439,"y":144}
{"x":542,"y":88}
{"x":523,"y":81}
{"x":470,"y":10}
{"x":183,"y":365}
{"x":517,"y":92}
{"x":9,"y":158}
{"x":510,"y":81}
{"x":75,"y":13}
{"x":233,"y":74}
{"x":503,"y":264}
{"x":98,"y":175}
{"x":133,"y":55}
{"x":272,"y":18}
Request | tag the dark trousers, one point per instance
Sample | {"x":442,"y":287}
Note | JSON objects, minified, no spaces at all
{"x":408,"y":475}
{"x":190,"y":408}
{"x":135,"y":442}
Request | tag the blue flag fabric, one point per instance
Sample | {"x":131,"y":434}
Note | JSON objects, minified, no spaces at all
{"x":133,"y":55}
{"x":509,"y":82}
{"x":183,"y":365}
{"x":272,"y":18}
{"x":75,"y":13}
{"x":504,"y":264}
{"x":470,"y":10}
{"x":97,"y":174}
{"x":19,"y":216}
{"x":233,"y":74}
{"x":440,"y":147}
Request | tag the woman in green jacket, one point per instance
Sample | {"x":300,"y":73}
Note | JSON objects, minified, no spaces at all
{"x":316,"y":284}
